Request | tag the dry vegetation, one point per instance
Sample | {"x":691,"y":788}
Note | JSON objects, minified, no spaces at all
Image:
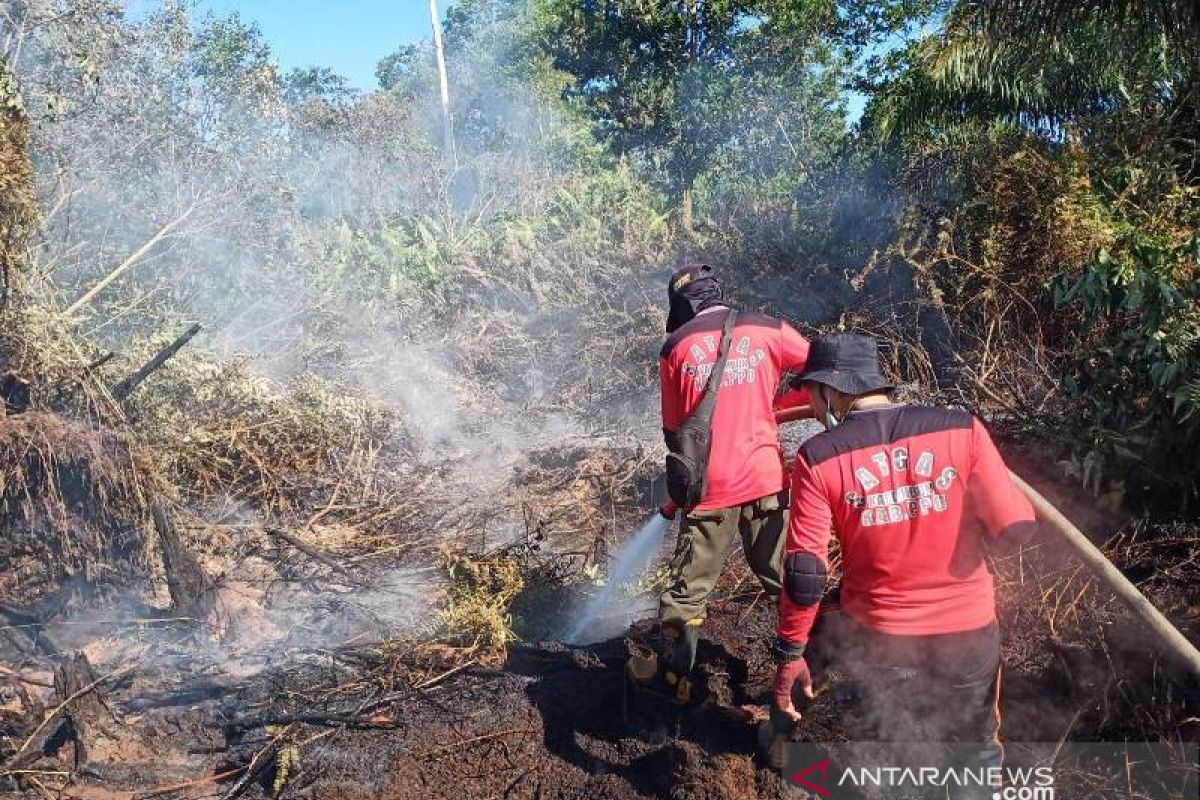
{"x":316,"y":552}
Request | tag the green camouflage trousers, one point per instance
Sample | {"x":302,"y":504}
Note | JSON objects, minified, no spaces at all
{"x":703,"y":544}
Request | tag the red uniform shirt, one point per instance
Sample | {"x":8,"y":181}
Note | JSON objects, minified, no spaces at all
{"x":746,"y":462}
{"x":909,"y":491}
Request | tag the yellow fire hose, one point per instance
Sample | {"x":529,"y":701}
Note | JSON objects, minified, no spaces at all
{"x":1170,"y":637}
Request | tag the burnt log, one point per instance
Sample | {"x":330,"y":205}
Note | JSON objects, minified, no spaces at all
{"x":14,"y":394}
{"x":76,"y":688}
{"x":191,"y":593}
{"x":125,"y":388}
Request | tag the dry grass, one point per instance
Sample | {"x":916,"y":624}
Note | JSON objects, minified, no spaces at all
{"x":219,"y":430}
{"x":18,"y":210}
{"x":1060,"y":620}
{"x":476,"y":617}
{"x":73,"y":503}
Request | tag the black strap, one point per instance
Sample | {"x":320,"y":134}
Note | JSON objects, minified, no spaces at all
{"x":704,"y":409}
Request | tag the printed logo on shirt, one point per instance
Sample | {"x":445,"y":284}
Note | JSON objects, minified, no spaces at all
{"x":740,"y":367}
{"x":902,"y":503}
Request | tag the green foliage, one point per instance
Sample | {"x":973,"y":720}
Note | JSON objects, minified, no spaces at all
{"x":1041,"y":67}
{"x":1051,"y":149}
{"x":397,"y":71}
{"x":696,"y":88}
{"x":1136,"y":384}
{"x":476,"y":614}
{"x":230,"y":56}
{"x":404,"y":260}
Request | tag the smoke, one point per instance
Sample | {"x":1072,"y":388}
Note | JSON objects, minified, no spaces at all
{"x":499,"y":304}
{"x":312,"y":231}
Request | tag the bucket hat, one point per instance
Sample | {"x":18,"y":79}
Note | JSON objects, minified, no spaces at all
{"x":849,"y":362}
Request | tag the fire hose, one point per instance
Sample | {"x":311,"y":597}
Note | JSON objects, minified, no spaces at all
{"x":1168,"y":635}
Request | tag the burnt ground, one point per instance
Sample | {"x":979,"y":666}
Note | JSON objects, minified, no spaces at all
{"x":554,"y":721}
{"x":160,"y":712}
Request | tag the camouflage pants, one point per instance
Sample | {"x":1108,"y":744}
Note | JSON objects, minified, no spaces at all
{"x":703,"y":544}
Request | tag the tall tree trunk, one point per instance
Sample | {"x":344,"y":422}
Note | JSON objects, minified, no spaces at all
{"x":692,"y":51}
{"x":443,"y":84}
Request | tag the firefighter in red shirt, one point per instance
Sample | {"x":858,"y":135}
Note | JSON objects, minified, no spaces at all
{"x":745,"y":491}
{"x":914,"y":494}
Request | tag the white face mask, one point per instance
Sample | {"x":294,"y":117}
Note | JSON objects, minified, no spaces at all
{"x":830,"y":422}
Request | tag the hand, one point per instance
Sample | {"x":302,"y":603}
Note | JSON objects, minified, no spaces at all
{"x":668,"y":509}
{"x":787,"y":676}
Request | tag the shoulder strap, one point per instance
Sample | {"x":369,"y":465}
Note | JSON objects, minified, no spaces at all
{"x":704,"y":409}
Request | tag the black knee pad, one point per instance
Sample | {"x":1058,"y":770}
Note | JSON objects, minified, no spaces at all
{"x":804,"y":578}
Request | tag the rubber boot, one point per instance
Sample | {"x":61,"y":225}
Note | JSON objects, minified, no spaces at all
{"x":679,"y":656}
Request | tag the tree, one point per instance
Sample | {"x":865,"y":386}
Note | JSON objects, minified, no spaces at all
{"x":396,"y":71}
{"x":1059,"y":141}
{"x":669,"y":81}
{"x":1046,"y":63}
{"x":318,"y":96}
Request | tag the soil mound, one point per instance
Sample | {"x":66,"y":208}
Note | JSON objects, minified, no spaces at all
{"x":72,"y":508}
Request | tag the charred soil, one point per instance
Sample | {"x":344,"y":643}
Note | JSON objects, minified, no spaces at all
{"x":400,"y":720}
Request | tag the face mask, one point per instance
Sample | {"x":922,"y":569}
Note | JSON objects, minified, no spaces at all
{"x":830,"y":420}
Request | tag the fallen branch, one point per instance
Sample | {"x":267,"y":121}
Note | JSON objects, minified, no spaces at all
{"x":334,"y":720}
{"x":175,"y":787}
{"x":220,"y":776}
{"x":257,"y":766}
{"x":313,"y":553}
{"x":137,"y":256}
{"x":474,"y":740}
{"x":439,"y":678}
{"x":100,"y":362}
{"x":125,"y":388}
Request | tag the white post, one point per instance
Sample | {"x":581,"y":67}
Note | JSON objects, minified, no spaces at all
{"x":443,"y":82}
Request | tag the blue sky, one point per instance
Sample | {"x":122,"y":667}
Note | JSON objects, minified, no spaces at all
{"x":349,"y":37}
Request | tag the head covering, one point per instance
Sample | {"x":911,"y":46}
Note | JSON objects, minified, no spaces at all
{"x":691,"y":289}
{"x":849,"y":362}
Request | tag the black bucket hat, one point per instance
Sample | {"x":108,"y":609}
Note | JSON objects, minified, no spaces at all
{"x":849,"y":362}
{"x":692,"y":289}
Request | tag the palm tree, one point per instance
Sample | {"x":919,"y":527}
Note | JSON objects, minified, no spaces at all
{"x":1045,"y":63}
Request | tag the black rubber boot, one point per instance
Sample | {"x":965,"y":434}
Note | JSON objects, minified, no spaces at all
{"x":679,"y":656}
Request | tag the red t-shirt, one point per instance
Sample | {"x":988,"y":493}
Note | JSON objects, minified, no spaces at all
{"x":746,"y":462}
{"x":909,"y":491}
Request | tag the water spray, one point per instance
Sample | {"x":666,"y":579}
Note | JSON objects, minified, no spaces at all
{"x":631,"y":561}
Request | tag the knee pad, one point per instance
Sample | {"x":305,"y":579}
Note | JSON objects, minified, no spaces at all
{"x":804,"y":578}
